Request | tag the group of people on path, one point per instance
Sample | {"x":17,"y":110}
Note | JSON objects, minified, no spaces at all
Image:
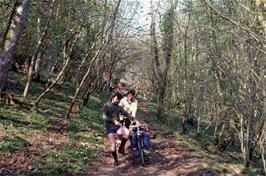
{"x":118,"y":115}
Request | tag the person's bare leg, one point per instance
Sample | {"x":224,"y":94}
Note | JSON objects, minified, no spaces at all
{"x":111,"y":137}
{"x":124,"y":132}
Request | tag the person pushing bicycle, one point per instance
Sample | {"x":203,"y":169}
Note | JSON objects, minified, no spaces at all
{"x":111,"y":113}
{"x":130,"y":105}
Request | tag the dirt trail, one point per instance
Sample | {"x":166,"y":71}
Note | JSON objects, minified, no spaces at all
{"x":167,"y":157}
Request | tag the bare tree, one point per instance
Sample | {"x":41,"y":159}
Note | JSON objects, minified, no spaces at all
{"x":68,"y":48}
{"x":161,"y":68}
{"x":16,"y":22}
{"x":103,"y":41}
{"x":38,"y":51}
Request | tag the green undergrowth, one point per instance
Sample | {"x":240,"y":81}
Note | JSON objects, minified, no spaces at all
{"x":66,"y":159}
{"x":11,"y":143}
{"x":70,"y":145}
{"x":202,"y":145}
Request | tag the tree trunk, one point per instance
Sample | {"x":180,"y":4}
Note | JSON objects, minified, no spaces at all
{"x":53,"y":54}
{"x":260,"y":9}
{"x":36,"y":74}
{"x":67,"y":57}
{"x":156,"y":63}
{"x":102,"y":43}
{"x":16,"y":22}
{"x":263,"y":146}
{"x":161,"y":68}
{"x":38,"y":51}
{"x":86,"y":57}
{"x":82,"y":82}
{"x":187,"y":88}
{"x":90,"y":89}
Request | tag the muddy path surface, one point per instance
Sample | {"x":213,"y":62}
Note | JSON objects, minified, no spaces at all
{"x":166,"y":156}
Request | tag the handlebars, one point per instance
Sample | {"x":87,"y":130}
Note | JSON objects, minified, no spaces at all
{"x":141,"y":126}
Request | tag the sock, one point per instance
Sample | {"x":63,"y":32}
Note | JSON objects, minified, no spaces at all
{"x":123,"y":143}
{"x":114,"y":156}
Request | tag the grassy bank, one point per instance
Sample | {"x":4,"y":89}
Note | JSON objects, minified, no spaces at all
{"x":42,"y":141}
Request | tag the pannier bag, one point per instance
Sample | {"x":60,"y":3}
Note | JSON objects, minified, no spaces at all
{"x":146,"y":140}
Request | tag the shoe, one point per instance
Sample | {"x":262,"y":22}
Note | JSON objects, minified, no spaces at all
{"x":146,"y":153}
{"x":122,"y":151}
{"x":116,"y":163}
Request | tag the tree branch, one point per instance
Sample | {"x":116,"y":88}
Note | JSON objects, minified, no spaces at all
{"x":252,"y":34}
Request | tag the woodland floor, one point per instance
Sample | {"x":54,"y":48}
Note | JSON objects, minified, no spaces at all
{"x":167,"y":157}
{"x":56,"y":146}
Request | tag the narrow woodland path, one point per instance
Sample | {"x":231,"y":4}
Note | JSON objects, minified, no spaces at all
{"x":167,"y":156}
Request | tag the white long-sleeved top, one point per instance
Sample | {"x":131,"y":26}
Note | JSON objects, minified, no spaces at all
{"x":131,"y":107}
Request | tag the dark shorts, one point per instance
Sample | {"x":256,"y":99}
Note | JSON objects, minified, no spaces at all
{"x":111,"y":129}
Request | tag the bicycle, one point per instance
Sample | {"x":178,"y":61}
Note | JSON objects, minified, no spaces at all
{"x":139,"y":130}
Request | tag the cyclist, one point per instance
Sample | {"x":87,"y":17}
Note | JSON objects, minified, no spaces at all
{"x":111,"y":113}
{"x":130,"y":105}
{"x":120,"y":88}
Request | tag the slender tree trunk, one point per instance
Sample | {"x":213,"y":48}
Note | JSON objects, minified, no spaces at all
{"x":199,"y":108}
{"x":241,"y":134}
{"x":263,"y":146}
{"x":86,"y":57}
{"x":261,"y":8}
{"x":156,"y":63}
{"x":67,"y":59}
{"x":16,"y":22}
{"x":90,"y":89}
{"x":82,"y":82}
{"x":168,"y":35}
{"x":36,"y":75}
{"x":187,"y":87}
{"x":102,"y":43}
{"x":49,"y":70}
{"x":38,"y":50}
{"x":53,"y":54}
{"x":91,"y":64}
